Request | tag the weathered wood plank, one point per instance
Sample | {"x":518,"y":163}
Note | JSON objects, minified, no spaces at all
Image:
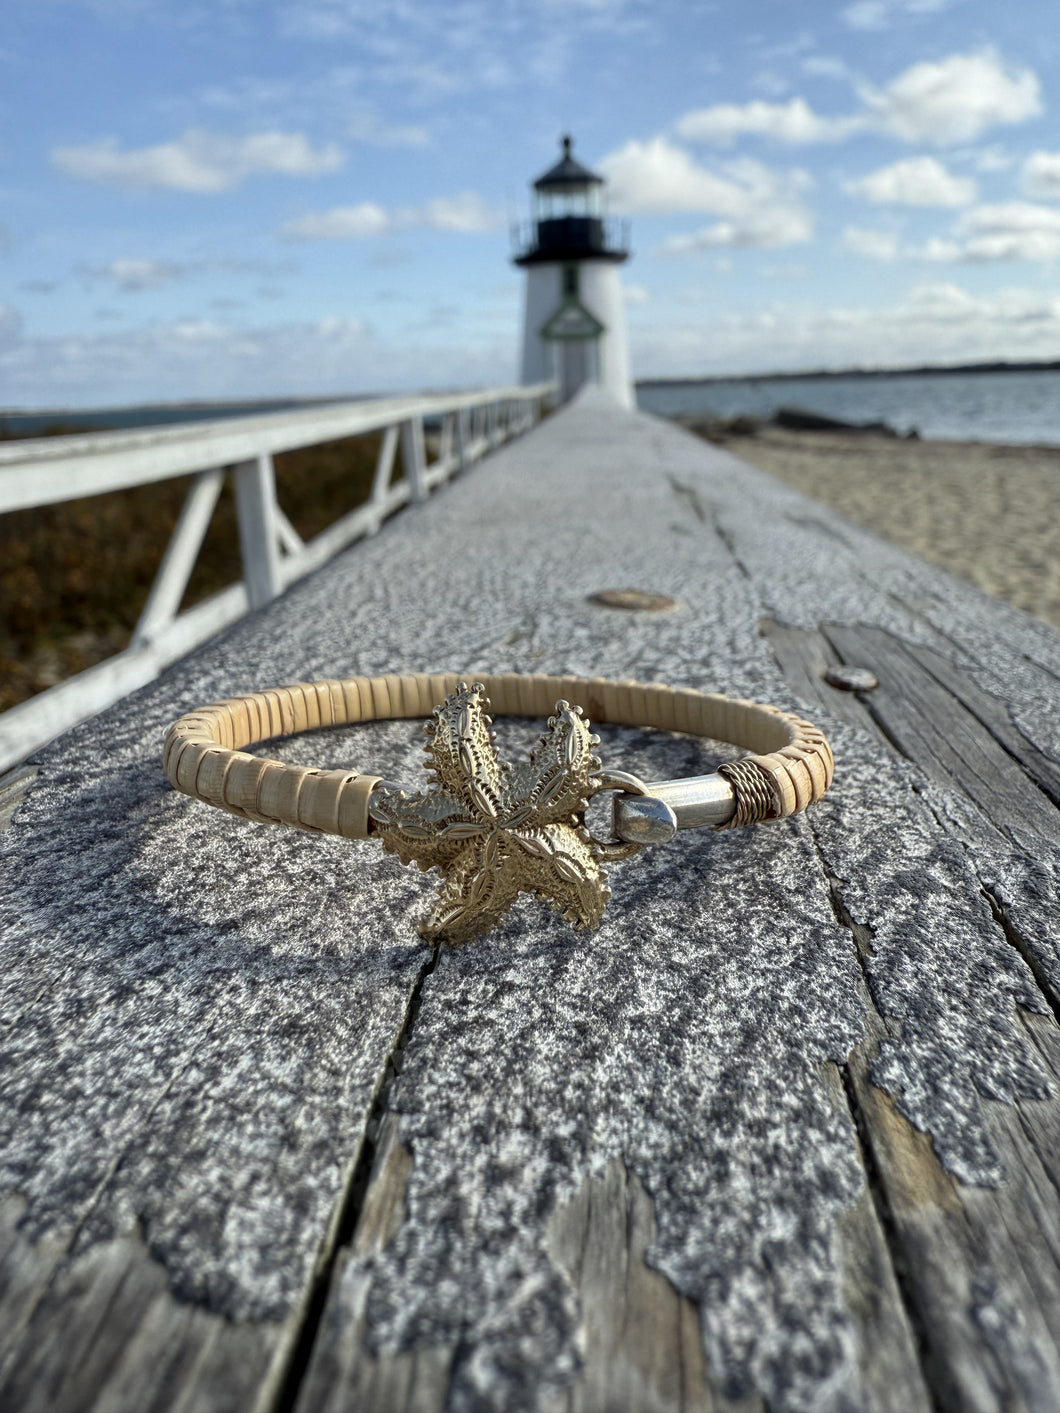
{"x":106,"y":1332}
{"x":952,"y":746}
{"x":804,"y":657}
{"x":994,"y":714}
{"x":14,"y":787}
{"x":776,"y":1136}
{"x":982,"y":1286}
{"x":957,"y":1248}
{"x":964,"y":739}
{"x":342,"y":1373}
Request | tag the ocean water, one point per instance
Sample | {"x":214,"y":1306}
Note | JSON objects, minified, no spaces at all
{"x":93,"y":419}
{"x":1019,"y":406}
{"x":990,"y":407}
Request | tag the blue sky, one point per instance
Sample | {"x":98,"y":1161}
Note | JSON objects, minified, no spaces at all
{"x":256,"y":197}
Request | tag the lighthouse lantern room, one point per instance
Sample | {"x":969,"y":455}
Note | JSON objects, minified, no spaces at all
{"x":574,"y":328}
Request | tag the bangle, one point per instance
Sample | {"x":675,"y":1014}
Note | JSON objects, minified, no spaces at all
{"x":493,"y":829}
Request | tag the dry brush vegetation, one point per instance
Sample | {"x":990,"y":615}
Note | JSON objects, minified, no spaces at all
{"x":74,"y":576}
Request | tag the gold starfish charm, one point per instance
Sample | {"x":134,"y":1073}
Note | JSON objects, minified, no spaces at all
{"x":495,"y":830}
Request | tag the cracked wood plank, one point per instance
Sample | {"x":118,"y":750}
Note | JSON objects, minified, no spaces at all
{"x":704,"y":1158}
{"x":979,"y":1268}
{"x":97,"y":1324}
{"x":931,"y":726}
{"x":106,"y":1332}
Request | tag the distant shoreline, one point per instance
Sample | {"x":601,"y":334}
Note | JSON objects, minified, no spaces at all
{"x":928,"y":370}
{"x":193,"y":407}
{"x":188,"y":404}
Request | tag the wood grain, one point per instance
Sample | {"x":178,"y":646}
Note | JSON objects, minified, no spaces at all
{"x":503,"y":1109}
{"x":979,"y":1269}
{"x":14,"y":787}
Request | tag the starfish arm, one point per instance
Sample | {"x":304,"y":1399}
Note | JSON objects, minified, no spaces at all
{"x":555,"y":783}
{"x":431,"y":828}
{"x":560,"y":866}
{"x":473,"y":898}
{"x":461,"y":754}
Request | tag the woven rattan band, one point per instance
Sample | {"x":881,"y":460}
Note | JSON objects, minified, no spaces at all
{"x":791,"y":765}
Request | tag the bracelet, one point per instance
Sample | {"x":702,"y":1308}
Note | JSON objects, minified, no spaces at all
{"x":496,"y":830}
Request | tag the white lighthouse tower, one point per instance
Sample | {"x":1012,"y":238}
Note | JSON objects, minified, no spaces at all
{"x":574,"y":328}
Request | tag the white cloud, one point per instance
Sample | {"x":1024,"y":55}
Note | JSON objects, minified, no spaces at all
{"x":955,"y":99}
{"x":196,"y":358}
{"x":914,"y":181}
{"x":994,"y":158}
{"x":198,"y":161}
{"x":1011,"y":230}
{"x":635,"y":294}
{"x":465,"y":212}
{"x":340,"y":223}
{"x":1040,"y":175}
{"x":136,"y":275}
{"x":370,"y":130}
{"x":763,"y":229}
{"x":794,"y":122}
{"x":931,"y":323}
{"x":826,"y":66}
{"x":937,"y":248}
{"x":877,"y":245}
{"x":761,"y":207}
{"x":881,"y":14}
{"x":655,"y":178}
{"x":940,"y":102}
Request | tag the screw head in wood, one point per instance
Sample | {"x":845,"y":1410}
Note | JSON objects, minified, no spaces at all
{"x":637,"y":600}
{"x":851,"y":679}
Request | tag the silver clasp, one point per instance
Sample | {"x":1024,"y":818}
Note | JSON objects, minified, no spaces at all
{"x":654,"y":812}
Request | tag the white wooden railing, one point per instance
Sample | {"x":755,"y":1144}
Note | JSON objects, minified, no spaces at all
{"x":44,"y":471}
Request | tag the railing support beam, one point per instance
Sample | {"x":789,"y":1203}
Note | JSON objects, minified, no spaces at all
{"x":461,"y":417}
{"x":179,"y":559}
{"x":259,"y":542}
{"x":414,"y":457}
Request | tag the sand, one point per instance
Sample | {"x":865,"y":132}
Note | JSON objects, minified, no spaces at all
{"x":990,"y":514}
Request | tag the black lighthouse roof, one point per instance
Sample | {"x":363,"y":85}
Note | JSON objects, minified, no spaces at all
{"x":567,"y":173}
{"x":569,"y":222}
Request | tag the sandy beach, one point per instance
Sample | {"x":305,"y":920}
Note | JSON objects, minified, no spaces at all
{"x":988,"y":513}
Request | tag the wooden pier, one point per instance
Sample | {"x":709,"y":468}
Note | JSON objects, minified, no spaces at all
{"x":783,"y":1136}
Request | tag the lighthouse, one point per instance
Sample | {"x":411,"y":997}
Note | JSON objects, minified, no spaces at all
{"x":574,"y":326}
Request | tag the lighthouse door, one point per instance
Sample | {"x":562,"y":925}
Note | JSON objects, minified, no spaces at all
{"x":574,"y":335}
{"x":577,"y":365}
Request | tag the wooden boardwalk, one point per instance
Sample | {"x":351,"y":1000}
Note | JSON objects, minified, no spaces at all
{"x":784,"y":1134}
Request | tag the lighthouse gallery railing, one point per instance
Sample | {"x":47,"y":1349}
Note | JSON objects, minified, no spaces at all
{"x":48,"y":470}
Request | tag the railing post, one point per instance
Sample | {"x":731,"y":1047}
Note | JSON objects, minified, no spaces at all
{"x":445,"y":442}
{"x":461,"y":441}
{"x":414,"y":457}
{"x":255,"y":487}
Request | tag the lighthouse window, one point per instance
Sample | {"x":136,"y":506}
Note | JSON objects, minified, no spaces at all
{"x":570,"y":281}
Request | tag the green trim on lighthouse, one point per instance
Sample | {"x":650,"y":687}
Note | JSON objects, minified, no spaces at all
{"x":572,"y":321}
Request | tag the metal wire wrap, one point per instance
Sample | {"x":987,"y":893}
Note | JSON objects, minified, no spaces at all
{"x":755,"y":800}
